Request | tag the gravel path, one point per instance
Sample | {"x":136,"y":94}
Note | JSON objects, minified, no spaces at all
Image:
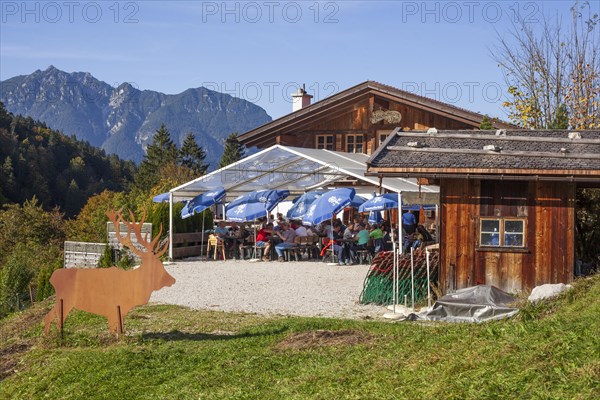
{"x":290,"y":288}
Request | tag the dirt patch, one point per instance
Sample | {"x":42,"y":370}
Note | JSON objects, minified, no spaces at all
{"x":323,"y":338}
{"x":9,"y":358}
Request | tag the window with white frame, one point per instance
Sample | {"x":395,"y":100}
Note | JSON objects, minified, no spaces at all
{"x":502,"y":232}
{"x":381,"y":136}
{"x":325,"y":142}
{"x":354,"y":143}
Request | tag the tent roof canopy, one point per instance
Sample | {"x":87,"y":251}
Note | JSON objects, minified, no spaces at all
{"x":297,"y":170}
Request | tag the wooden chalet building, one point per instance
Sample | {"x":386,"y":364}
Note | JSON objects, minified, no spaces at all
{"x":507,"y":199}
{"x":359,"y":119}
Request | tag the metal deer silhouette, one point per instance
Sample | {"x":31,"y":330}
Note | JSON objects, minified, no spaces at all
{"x":112,"y":292}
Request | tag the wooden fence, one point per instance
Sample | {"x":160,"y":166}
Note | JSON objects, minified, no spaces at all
{"x":189,"y":244}
{"x":115,"y":244}
{"x":82,"y":254}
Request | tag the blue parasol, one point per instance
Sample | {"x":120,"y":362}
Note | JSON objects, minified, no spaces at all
{"x":161,"y":198}
{"x":302,"y":203}
{"x":375,"y":217}
{"x":202,"y":202}
{"x":380,"y":202}
{"x":254,"y":205}
{"x":327,"y":205}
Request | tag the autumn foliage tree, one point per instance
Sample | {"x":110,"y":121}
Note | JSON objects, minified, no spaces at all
{"x":553,"y":71}
{"x":553,"y":75}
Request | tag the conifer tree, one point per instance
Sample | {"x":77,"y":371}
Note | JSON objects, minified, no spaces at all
{"x":234,"y":151}
{"x":159,"y":153}
{"x":191,"y":155}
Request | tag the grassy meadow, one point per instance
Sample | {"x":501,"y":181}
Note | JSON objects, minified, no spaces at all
{"x":550,"y":351}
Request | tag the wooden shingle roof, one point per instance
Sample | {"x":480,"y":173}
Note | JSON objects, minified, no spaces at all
{"x":505,"y":152}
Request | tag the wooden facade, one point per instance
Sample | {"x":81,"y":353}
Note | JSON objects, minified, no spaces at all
{"x":507,"y":198}
{"x":548,"y":252}
{"x":366,"y":113}
{"x":357,"y":123}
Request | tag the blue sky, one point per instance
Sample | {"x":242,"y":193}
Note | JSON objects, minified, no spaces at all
{"x":261,"y":50}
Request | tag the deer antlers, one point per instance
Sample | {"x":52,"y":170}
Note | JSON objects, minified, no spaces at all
{"x":117,"y":217}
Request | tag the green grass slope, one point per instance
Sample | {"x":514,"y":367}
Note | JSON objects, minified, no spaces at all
{"x":550,"y":351}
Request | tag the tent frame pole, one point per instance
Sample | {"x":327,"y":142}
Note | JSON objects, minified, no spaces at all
{"x":170,"y":226}
{"x":202,"y":236}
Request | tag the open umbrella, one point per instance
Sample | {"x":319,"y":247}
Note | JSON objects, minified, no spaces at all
{"x":161,"y":198}
{"x":302,"y":203}
{"x":375,"y":217}
{"x":357,"y":201}
{"x":201,"y":203}
{"x":327,"y":205}
{"x":380,"y":202}
{"x":251,"y":206}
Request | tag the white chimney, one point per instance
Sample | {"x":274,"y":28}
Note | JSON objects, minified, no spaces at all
{"x":300,"y":99}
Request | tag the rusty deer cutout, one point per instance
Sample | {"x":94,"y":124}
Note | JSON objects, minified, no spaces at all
{"x":112,"y":292}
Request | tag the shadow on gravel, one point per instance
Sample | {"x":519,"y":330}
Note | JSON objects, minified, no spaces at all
{"x":217,"y":335}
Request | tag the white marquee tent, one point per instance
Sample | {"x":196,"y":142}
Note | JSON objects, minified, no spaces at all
{"x":295,"y":169}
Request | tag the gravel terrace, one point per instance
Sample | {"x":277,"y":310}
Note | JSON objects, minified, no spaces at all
{"x":289,"y":288}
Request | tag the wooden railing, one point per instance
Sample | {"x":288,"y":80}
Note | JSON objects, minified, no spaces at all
{"x":189,"y":244}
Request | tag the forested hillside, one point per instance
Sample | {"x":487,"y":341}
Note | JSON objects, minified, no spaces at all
{"x":58,"y":170}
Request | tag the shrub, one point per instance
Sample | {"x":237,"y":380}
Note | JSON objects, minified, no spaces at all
{"x":15,"y":277}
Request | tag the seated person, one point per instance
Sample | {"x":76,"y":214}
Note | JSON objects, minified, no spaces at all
{"x":221,"y":230}
{"x":242,"y":234}
{"x":278,"y":227}
{"x":415,"y":240}
{"x":387,"y":240}
{"x":426,"y":236}
{"x":287,"y":235}
{"x":338,"y":247}
{"x":376,"y":232}
{"x":362,"y":237}
{"x":348,"y":253}
{"x":377,"y":235}
{"x":262,"y":240}
{"x":300,"y":230}
{"x":280,"y":218}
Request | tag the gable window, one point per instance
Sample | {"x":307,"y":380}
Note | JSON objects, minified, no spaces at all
{"x":354,"y":143}
{"x":382,"y":135}
{"x":325,"y":142}
{"x":502,"y":232}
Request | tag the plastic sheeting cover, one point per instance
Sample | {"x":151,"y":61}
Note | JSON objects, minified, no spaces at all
{"x":474,"y":304}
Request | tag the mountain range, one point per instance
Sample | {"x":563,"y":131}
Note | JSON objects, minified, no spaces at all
{"x":122,"y":119}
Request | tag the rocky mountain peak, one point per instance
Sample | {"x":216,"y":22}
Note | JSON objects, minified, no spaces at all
{"x":123,"y":119}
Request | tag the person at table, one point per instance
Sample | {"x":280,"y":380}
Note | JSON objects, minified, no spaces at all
{"x":221,"y":230}
{"x":280,"y":218}
{"x":377,"y":235}
{"x":387,"y":238}
{"x":362,"y":237}
{"x":349,"y":253}
{"x":242,"y":233}
{"x":338,"y":247}
{"x":279,"y":226}
{"x":300,"y":230}
{"x":233,"y":229}
{"x":409,"y":222}
{"x":287,"y":235}
{"x":262,"y":240}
